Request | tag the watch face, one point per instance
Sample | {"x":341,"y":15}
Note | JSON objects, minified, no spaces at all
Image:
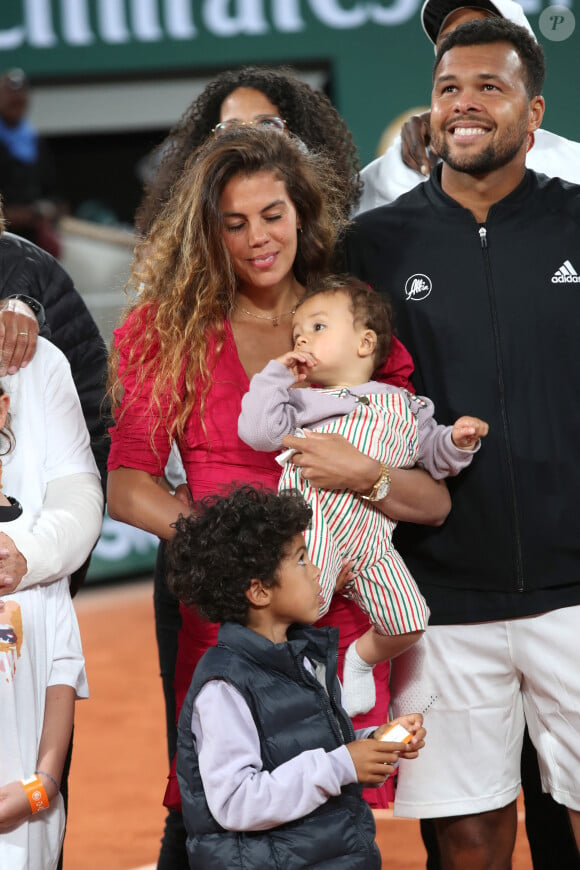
{"x":383,"y":490}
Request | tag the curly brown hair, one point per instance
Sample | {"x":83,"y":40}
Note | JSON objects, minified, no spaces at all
{"x":308,"y":114}
{"x":227,"y":542}
{"x":183,"y":274}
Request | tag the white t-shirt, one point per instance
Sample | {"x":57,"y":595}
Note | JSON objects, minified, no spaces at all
{"x":40,"y":643}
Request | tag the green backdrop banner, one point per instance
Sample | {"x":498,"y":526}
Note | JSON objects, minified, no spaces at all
{"x":377,"y":55}
{"x":122,"y":551}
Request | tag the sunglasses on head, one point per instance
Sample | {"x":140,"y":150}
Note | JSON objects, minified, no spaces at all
{"x":268,"y":121}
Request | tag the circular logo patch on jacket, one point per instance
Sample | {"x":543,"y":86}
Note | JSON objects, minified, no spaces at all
{"x":417,"y":288}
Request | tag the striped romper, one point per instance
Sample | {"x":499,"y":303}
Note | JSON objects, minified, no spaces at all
{"x":346,"y":526}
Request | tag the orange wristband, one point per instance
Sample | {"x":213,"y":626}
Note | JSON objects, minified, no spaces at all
{"x":36,"y":794}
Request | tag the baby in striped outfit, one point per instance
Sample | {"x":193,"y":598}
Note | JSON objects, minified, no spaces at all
{"x":342,"y":333}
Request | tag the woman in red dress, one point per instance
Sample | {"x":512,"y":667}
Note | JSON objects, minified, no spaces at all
{"x":252,"y":220}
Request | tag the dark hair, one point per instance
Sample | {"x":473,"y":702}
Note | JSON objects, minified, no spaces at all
{"x":491,"y":30}
{"x":227,"y":542}
{"x":308,"y":114}
{"x":370,"y":310}
{"x":7,"y":440}
{"x":14,"y":79}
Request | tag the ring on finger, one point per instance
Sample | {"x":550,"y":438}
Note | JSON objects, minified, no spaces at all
{"x":23,"y":333}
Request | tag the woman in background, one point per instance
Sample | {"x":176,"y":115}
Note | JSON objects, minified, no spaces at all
{"x":255,"y":95}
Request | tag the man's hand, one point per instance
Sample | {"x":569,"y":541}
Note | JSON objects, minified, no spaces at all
{"x":467,"y":431}
{"x":18,"y":335}
{"x":13,"y":565}
{"x":415,"y":139}
{"x":413,"y":723}
{"x":374,"y":761}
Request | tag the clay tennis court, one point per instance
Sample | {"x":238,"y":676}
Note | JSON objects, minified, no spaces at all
{"x":119,"y":761}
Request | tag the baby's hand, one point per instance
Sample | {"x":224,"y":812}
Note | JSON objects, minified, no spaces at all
{"x":298,"y":361}
{"x":467,"y":431}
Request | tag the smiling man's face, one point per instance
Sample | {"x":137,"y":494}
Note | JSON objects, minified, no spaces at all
{"x":480,"y":110}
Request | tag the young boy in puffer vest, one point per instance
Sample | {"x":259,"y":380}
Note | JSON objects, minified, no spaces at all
{"x":269,"y":767}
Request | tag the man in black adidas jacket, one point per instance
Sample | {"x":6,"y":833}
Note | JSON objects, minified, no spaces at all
{"x":481,"y":264}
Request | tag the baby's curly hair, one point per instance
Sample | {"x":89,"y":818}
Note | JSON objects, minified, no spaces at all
{"x":229,"y":541}
{"x":370,"y":310}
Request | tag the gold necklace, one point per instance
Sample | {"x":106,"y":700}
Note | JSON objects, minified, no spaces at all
{"x":273,"y":318}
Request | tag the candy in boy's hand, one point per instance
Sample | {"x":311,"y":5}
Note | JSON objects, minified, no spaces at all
{"x":396,"y":734}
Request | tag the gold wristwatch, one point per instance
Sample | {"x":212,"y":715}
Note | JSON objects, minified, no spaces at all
{"x":380,"y":489}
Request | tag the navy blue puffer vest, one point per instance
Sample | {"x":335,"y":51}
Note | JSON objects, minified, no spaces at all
{"x":293,"y":713}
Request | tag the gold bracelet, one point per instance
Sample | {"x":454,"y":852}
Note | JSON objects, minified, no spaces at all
{"x":380,"y":488}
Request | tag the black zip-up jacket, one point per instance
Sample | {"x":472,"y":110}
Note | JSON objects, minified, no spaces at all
{"x":27,"y":269}
{"x":490,"y":314}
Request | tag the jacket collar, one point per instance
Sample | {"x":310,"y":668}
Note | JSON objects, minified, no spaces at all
{"x":441,"y":201}
{"x":320,"y":644}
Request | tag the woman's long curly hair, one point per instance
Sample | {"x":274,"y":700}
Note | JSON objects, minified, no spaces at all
{"x":308,"y":114}
{"x":183,"y":274}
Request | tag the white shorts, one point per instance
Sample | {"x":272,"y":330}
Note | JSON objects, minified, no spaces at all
{"x":488,"y":678}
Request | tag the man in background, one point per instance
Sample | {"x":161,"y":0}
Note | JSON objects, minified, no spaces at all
{"x":27,"y":177}
{"x":411,"y":157}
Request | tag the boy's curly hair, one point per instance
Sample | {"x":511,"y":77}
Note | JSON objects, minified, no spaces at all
{"x":229,"y":541}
